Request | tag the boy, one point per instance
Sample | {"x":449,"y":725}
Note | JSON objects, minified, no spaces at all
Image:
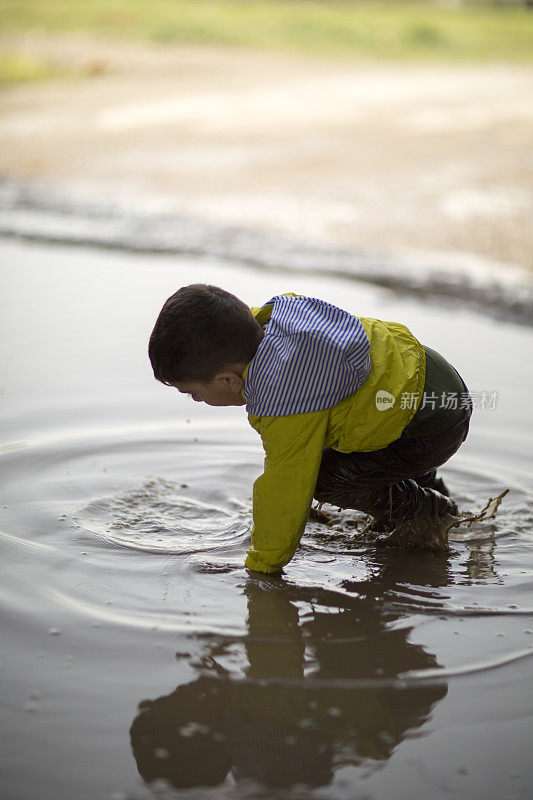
{"x":340,"y":402}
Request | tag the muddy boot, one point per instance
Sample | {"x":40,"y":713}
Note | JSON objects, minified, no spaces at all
{"x":417,"y":517}
{"x":405,"y":500}
{"x":440,"y":504}
{"x":422,"y":533}
{"x":439,"y":485}
{"x":430,"y":481}
{"x":424,"y":524}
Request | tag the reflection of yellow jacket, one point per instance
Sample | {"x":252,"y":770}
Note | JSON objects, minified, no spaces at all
{"x":293,"y":444}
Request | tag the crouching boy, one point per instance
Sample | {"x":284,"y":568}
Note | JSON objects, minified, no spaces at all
{"x":352,"y":411}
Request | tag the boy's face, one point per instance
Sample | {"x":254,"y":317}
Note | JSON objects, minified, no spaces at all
{"x":224,"y":390}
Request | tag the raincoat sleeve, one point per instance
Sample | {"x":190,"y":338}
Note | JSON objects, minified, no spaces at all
{"x":282,"y":495}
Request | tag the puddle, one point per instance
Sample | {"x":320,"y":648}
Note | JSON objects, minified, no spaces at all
{"x":140,"y":660}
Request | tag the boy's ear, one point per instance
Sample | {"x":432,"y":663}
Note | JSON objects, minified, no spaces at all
{"x":231,"y":379}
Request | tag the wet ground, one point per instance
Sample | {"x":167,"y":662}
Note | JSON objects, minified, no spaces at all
{"x":428,"y":162}
{"x":36,"y":213}
{"x":140,"y":660}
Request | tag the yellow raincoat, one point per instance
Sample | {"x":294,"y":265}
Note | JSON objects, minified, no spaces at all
{"x":293,"y":444}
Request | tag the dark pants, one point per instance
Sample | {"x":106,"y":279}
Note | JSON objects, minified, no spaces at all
{"x":399,"y":481}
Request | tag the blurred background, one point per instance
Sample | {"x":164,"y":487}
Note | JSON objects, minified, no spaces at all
{"x":389,"y":140}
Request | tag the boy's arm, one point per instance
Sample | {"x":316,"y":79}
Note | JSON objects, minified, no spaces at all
{"x":282,"y":495}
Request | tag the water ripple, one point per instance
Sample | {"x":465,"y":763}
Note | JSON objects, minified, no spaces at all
{"x":159,"y":517}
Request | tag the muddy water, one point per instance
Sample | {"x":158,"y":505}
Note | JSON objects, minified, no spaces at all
{"x":139,"y":659}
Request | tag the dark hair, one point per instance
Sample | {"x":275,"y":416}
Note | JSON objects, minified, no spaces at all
{"x":201,"y":329}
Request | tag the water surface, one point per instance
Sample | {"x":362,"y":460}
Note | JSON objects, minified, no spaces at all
{"x":140,"y":659}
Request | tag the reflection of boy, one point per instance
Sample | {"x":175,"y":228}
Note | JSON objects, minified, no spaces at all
{"x":275,"y":727}
{"x":197,"y":734}
{"x":327,"y":393}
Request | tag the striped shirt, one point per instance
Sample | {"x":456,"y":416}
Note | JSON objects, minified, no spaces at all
{"x":311,"y":357}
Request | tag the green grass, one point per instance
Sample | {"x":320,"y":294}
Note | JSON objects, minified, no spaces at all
{"x":372,"y":30}
{"x":22,"y":68}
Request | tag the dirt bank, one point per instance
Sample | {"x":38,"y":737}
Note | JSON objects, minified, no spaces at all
{"x":430,"y":161}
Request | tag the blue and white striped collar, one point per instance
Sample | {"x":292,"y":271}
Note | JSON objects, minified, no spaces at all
{"x":312,"y":356}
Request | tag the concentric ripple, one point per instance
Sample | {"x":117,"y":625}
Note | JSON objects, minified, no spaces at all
{"x":159,"y":517}
{"x":100,"y":514}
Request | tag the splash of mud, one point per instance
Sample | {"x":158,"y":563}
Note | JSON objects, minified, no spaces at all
{"x":420,"y":532}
